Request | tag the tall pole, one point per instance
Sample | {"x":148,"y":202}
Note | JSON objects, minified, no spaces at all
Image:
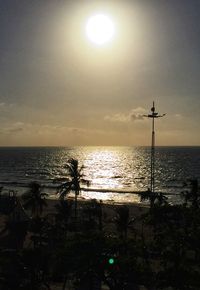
{"x":153,"y":115}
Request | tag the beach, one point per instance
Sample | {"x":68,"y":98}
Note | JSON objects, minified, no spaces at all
{"x":80,"y":238}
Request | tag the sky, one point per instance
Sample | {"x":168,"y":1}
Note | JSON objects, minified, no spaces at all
{"x":57,"y":88}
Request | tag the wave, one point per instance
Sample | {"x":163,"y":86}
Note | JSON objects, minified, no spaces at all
{"x":84,"y":189}
{"x":123,"y":191}
{"x":14,"y":183}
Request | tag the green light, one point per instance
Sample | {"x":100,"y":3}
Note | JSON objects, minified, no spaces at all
{"x":111,"y":261}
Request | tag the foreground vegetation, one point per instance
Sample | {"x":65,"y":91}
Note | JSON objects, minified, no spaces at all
{"x":81,"y":246}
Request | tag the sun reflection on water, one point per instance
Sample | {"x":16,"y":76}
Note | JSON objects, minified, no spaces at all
{"x":125,"y":169}
{"x":112,"y":169}
{"x":104,"y":168}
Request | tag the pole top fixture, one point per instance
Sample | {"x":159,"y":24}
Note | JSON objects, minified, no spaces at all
{"x":154,"y":114}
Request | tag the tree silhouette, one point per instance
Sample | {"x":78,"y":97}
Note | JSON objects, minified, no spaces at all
{"x":193,"y":195}
{"x":92,"y":211}
{"x":74,"y":182}
{"x":34,"y":199}
{"x":63,"y":213}
{"x":122,"y":220}
{"x":155,"y":198}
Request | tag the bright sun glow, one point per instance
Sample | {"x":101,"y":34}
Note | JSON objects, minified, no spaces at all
{"x":100,"y":29}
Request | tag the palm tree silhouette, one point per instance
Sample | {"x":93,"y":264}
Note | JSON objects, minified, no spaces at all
{"x":157,"y":198}
{"x":192,"y":196}
{"x":148,"y":196}
{"x":122,"y":220}
{"x":74,"y":182}
{"x":63,"y":213}
{"x":34,"y":199}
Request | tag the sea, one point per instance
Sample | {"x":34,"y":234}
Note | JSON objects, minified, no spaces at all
{"x":116,"y":174}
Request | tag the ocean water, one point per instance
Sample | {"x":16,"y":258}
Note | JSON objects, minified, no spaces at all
{"x":114,"y":172}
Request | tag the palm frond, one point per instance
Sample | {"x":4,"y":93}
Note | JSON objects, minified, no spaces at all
{"x":86,"y":182}
{"x":146,"y":195}
{"x":72,"y":165}
{"x":64,"y":192}
{"x":34,"y":199}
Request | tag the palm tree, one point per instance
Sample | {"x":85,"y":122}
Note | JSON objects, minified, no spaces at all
{"x":92,"y":211}
{"x":157,"y":198}
{"x":193,"y":196}
{"x":63,"y":213}
{"x":34,"y":199}
{"x":74,"y":181}
{"x":122,"y":220}
{"x":148,"y":196}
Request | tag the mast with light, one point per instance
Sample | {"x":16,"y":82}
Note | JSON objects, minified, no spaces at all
{"x":153,"y":115}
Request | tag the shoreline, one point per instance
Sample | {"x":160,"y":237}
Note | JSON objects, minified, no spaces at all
{"x":108,"y":209}
{"x":111,"y":196}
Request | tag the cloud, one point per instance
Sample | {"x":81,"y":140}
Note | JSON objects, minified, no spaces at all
{"x":178,"y":116}
{"x":6,"y":105}
{"x":5,"y":109}
{"x":35,"y":134}
{"x":83,"y":131}
{"x":47,"y":130}
{"x":117,"y":118}
{"x":134,"y":115}
{"x":13,"y":128}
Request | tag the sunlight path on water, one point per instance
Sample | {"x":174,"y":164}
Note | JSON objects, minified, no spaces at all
{"x":114,"y":172}
{"x":112,"y":168}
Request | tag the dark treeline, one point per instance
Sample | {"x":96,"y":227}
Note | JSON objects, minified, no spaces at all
{"x":79,"y":245}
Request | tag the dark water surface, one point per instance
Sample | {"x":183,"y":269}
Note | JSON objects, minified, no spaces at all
{"x":123,"y":168}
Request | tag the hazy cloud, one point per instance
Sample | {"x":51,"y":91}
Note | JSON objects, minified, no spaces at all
{"x":178,"y":116}
{"x":13,"y":128}
{"x":117,"y":118}
{"x":5,"y":107}
{"x":37,"y":129}
{"x":134,"y":115}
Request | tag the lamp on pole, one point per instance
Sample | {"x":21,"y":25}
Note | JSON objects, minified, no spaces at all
{"x":153,"y":115}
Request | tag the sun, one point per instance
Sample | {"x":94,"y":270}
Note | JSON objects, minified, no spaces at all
{"x":100,"y":29}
